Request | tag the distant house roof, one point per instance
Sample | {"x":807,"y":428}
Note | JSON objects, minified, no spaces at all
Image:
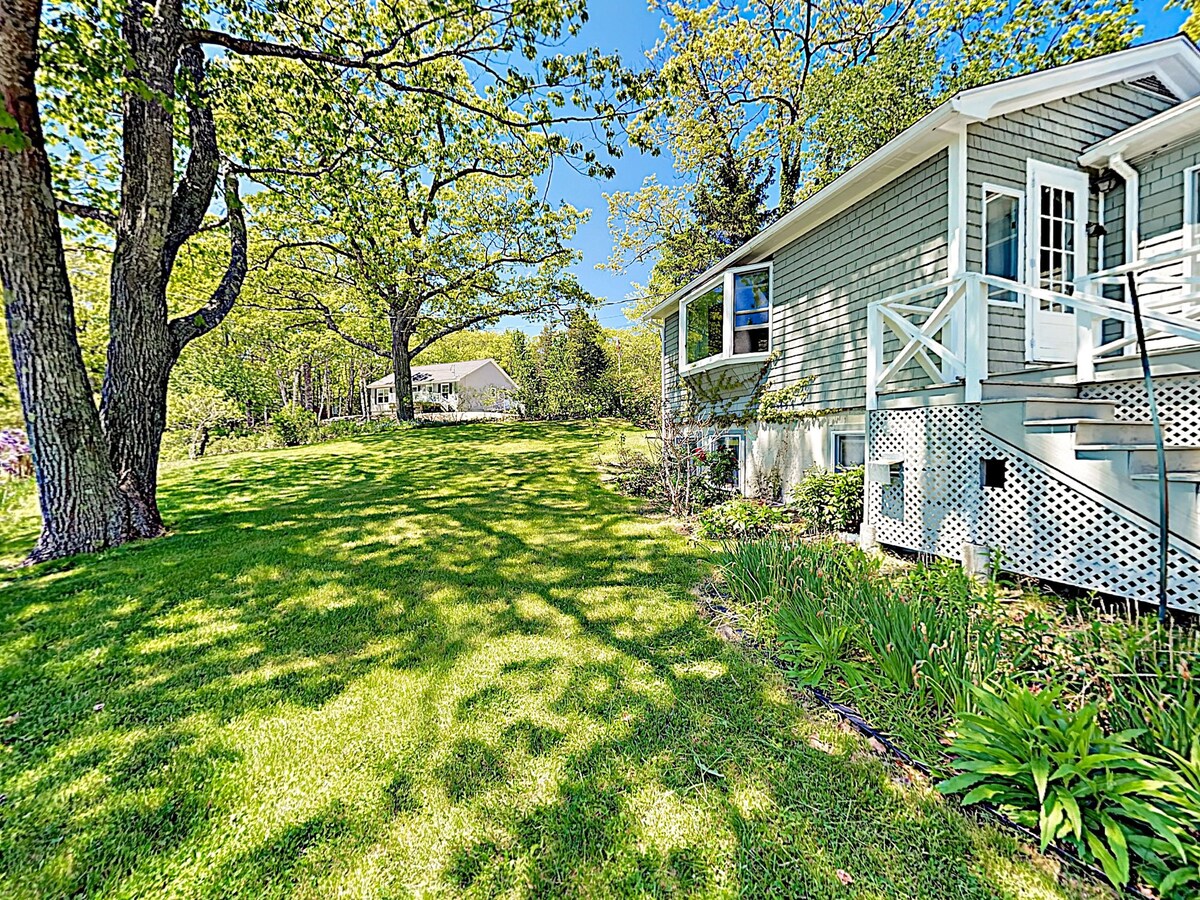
{"x":440,"y":372}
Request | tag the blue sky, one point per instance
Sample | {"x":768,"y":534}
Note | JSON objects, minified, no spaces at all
{"x":627,"y":27}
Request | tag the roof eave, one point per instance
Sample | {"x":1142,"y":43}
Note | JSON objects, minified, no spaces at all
{"x":785,"y":229}
{"x":1147,"y":136}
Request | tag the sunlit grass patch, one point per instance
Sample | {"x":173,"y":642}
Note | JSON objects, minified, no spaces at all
{"x":442,"y":662}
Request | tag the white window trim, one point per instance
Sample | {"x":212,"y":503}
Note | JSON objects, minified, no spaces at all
{"x":1019,"y":196}
{"x":727,"y":356}
{"x":1191,"y":225}
{"x":844,"y":432}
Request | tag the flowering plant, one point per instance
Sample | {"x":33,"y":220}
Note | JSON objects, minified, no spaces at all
{"x":15,"y":454}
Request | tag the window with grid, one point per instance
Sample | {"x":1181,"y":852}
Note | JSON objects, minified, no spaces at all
{"x":1056,"y":244}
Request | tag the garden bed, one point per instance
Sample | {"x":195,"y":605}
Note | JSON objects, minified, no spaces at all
{"x":1076,"y":723}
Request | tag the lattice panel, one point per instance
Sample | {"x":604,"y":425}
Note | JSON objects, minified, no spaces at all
{"x":1049,"y":530}
{"x":1178,"y":399}
{"x":1044,"y":527}
{"x":930,"y":504}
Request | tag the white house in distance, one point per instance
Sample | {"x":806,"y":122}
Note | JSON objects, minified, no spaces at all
{"x":477,"y":385}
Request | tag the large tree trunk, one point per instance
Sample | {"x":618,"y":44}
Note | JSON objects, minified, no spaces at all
{"x":133,"y":405}
{"x":82,"y":507}
{"x":402,"y":368}
{"x":141,"y":351}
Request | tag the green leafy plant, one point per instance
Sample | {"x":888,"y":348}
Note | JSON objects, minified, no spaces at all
{"x":1153,"y":687}
{"x":738,"y":519}
{"x":295,"y":425}
{"x":830,"y":501}
{"x":1057,"y":771}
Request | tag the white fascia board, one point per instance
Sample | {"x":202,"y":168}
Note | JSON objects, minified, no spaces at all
{"x":915,"y":144}
{"x":1146,"y":136}
{"x":1175,"y":60}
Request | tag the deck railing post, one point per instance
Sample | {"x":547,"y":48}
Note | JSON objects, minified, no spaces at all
{"x":975,"y":349}
{"x":1085,"y":337}
{"x":874,"y":355}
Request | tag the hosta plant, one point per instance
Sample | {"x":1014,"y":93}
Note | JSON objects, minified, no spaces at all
{"x":1056,"y":771}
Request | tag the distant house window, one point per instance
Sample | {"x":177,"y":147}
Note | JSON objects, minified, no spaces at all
{"x":444,"y":389}
{"x":1002,"y":241}
{"x":849,"y":450}
{"x":728,"y":319}
{"x":705,"y":324}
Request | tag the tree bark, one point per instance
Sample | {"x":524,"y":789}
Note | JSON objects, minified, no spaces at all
{"x":82,"y":507}
{"x":402,"y":367}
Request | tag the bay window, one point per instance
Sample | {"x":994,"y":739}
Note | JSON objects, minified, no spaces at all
{"x":729,"y":321}
{"x":705,"y":325}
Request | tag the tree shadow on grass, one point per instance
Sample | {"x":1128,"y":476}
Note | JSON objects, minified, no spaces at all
{"x":393,"y":632}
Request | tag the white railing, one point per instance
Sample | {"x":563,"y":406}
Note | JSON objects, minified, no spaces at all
{"x":1173,"y":312}
{"x":449,"y":401}
{"x":936,"y":326}
{"x":942,"y":326}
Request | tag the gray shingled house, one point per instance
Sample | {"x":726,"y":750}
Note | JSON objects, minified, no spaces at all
{"x":956,"y":309}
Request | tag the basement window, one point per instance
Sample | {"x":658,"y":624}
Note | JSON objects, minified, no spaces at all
{"x":992,"y":472}
{"x":849,"y":450}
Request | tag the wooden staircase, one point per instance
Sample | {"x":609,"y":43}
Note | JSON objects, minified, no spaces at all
{"x":1086,"y":444}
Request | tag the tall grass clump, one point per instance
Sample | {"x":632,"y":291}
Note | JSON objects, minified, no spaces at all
{"x":1080,"y":723}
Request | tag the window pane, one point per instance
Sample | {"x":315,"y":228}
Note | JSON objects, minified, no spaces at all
{"x":705,"y":321}
{"x":751,"y":290}
{"x":1194,"y":187}
{"x":752,"y":340}
{"x":1002,"y":242}
{"x":850,"y":451}
{"x":731,"y":446}
{"x":746,"y":319}
{"x":752,"y":312}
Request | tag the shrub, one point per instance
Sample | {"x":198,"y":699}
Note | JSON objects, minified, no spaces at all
{"x":294,"y":425}
{"x":351,"y":428}
{"x":738,"y":519}
{"x":674,"y":471}
{"x":1057,"y":772}
{"x":830,"y":501}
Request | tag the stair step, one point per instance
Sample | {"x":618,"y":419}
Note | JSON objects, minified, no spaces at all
{"x":1143,"y":458}
{"x":1054,"y":408}
{"x":1098,"y":431}
{"x":999,"y":389}
{"x":1173,"y":477}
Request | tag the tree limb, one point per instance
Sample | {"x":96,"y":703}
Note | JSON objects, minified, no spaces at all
{"x":187,"y":328}
{"x":194,"y":192}
{"x":84,"y":211}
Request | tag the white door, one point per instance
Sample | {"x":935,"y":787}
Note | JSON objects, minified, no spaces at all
{"x":1058,"y":254}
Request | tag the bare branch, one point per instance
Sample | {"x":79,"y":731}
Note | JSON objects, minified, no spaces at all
{"x":84,"y":211}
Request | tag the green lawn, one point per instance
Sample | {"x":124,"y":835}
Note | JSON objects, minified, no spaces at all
{"x":447,"y":662}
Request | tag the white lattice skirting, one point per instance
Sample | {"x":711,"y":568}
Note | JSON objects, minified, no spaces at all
{"x":1044,"y":527}
{"x":1178,"y":398}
